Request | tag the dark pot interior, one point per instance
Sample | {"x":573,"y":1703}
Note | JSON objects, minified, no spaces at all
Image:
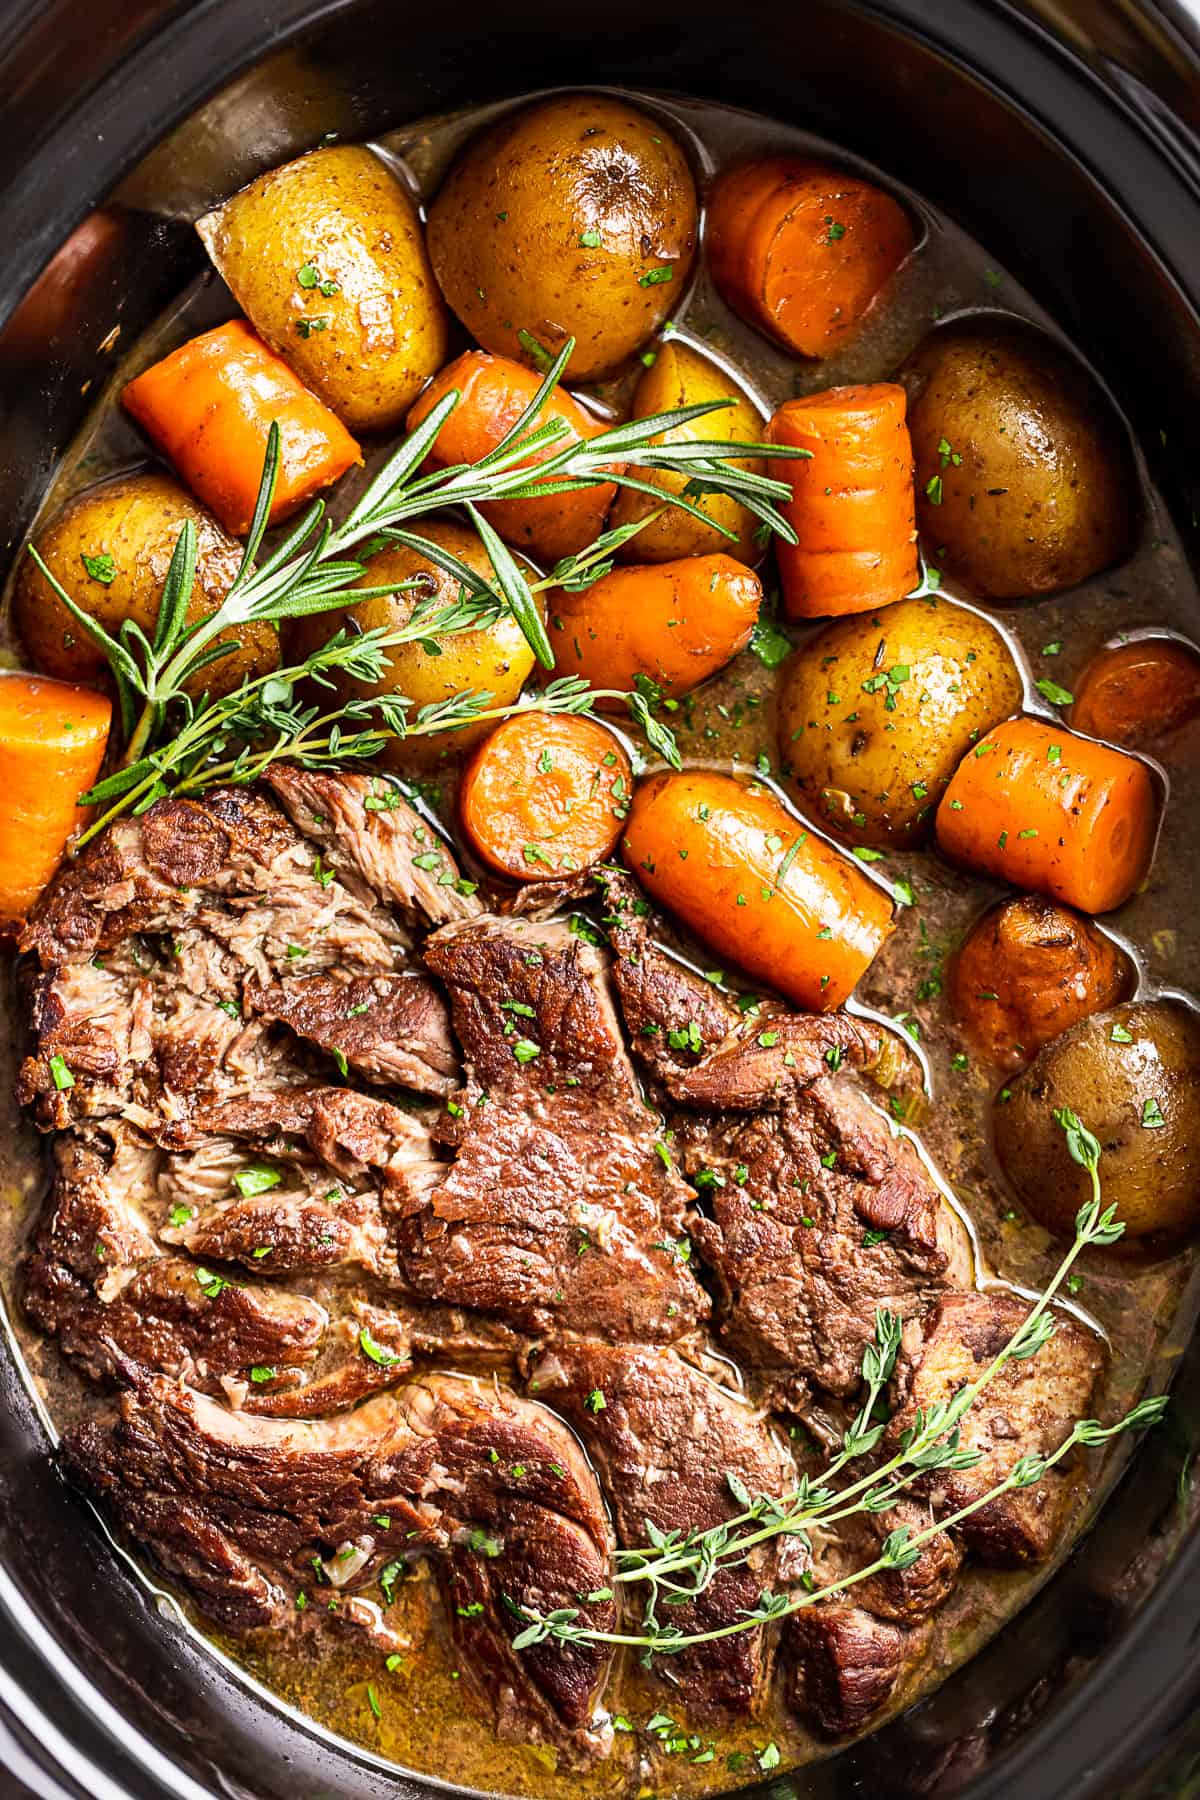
{"x":1071,"y":153}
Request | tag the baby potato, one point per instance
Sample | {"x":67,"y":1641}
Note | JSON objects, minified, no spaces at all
{"x":1132,"y":1075}
{"x":111,"y":547}
{"x":574,"y":217}
{"x":1027,"y":971}
{"x":326,"y":258}
{"x":1025,"y":480}
{"x":877,"y":709}
{"x":495,"y":657}
{"x":681,"y":376}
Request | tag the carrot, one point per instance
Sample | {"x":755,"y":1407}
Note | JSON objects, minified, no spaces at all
{"x":209,"y":406}
{"x":1038,"y":807}
{"x":801,"y":250}
{"x":852,"y":505}
{"x":1027,"y":971}
{"x":545,"y":795}
{"x":1134,"y":693}
{"x":675,"y":622}
{"x":493,"y":393}
{"x":760,"y":888}
{"x":52,"y":741}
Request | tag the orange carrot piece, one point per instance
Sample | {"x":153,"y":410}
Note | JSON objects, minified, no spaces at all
{"x":1134,"y":693}
{"x":546,"y":794}
{"x":493,"y":393}
{"x":1034,"y":805}
{"x":801,"y":250}
{"x":760,"y":888}
{"x":852,"y":506}
{"x":1027,"y":971}
{"x":209,"y":407}
{"x":675,"y":622}
{"x":52,"y":741}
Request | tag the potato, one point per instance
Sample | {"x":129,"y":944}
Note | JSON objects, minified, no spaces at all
{"x":495,"y":657}
{"x":681,"y":376}
{"x":134,"y":521}
{"x":1025,"y":479}
{"x":326,"y":258}
{"x":1132,"y":1075}
{"x":574,"y":217}
{"x":1027,"y":971}
{"x":876,"y":711}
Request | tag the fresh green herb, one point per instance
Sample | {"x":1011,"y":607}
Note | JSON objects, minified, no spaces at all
{"x":60,"y":1074}
{"x":101,"y":568}
{"x":1050,"y":690}
{"x":378,"y":1353}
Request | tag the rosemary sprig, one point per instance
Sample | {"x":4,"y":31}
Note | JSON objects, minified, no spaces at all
{"x":314,"y":568}
{"x":676,"y":1568}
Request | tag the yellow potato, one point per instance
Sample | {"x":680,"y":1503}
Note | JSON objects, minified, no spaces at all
{"x":326,"y":258}
{"x":681,"y":376}
{"x":495,"y":658}
{"x":1025,"y":479}
{"x":877,"y":710}
{"x":574,"y":217}
{"x":132,"y":525}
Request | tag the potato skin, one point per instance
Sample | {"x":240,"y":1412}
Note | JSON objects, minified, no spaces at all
{"x":681,"y":376}
{"x":1046,"y":493}
{"x":1027,"y":971}
{"x":341,"y":213}
{"x":1151,"y":1174}
{"x":136,"y":520}
{"x":496,"y":657}
{"x":507,"y":231}
{"x":873,"y":762}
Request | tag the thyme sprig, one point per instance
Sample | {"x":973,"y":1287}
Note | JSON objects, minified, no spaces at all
{"x":676,"y":1567}
{"x":315,"y":567}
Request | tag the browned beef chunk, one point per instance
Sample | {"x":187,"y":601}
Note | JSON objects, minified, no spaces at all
{"x":815,"y":1216}
{"x":390,"y":1028}
{"x":696,"y":1039}
{"x":493,"y":1486}
{"x":379,"y":844}
{"x":562,"y":1206}
{"x":844,"y":1665}
{"x":903,"y":1596}
{"x":1027,"y":1410}
{"x":668,"y":1443}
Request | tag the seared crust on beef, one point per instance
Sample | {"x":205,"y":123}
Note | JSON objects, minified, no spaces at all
{"x":492,"y":1486}
{"x":1027,"y":1410}
{"x":845,"y":1664}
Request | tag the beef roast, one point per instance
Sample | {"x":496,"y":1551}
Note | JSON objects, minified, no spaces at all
{"x":562,"y":1207}
{"x":843,"y":1665}
{"x":250,"y":1511}
{"x":1027,"y":1410}
{"x":672,"y":1448}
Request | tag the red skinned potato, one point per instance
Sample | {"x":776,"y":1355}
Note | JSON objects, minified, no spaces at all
{"x":493,"y":393}
{"x":1133,"y":694}
{"x":801,"y":250}
{"x":676,"y":623}
{"x":1026,"y":972}
{"x":757,"y":886}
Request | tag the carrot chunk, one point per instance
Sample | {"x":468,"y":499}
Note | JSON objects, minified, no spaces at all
{"x":760,"y":888}
{"x":493,"y":393}
{"x":852,"y":505}
{"x":209,"y":406}
{"x":52,"y":741}
{"x":676,"y":623}
{"x":801,"y":250}
{"x":1034,"y":805}
{"x":546,"y":794}
{"x":1134,"y":693}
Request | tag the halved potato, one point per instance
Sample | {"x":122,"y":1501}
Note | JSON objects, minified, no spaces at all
{"x":681,"y":376}
{"x":111,"y":547}
{"x":326,"y":257}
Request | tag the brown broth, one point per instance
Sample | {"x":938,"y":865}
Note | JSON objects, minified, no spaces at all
{"x":429,"y":1719}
